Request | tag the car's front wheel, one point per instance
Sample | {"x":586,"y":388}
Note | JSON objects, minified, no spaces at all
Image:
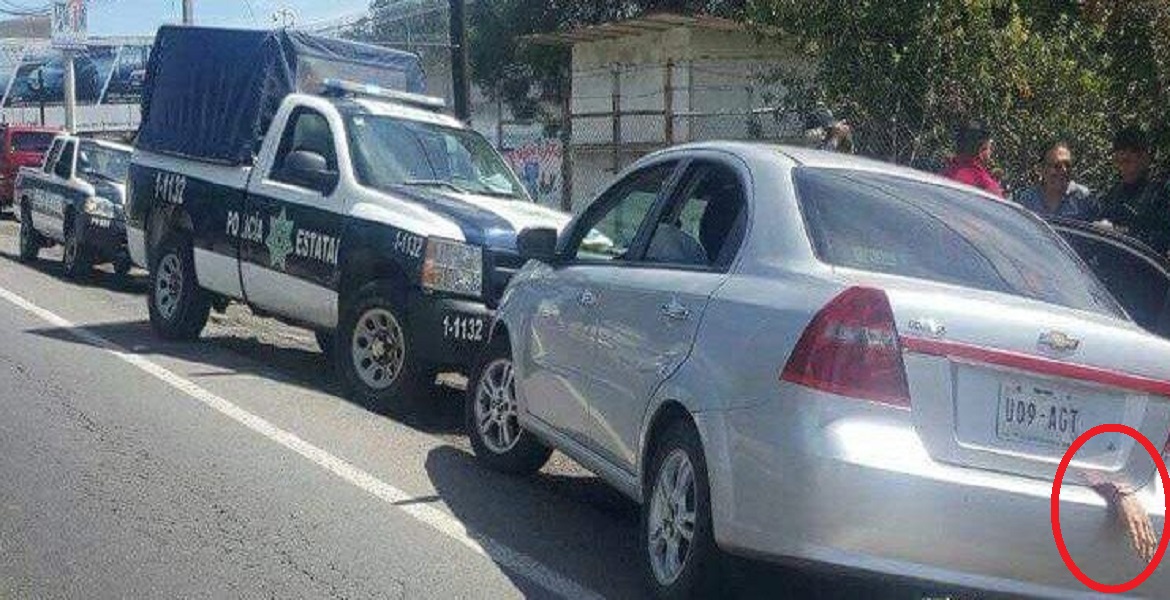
{"x":179,"y":308}
{"x":75,"y":258}
{"x":374,"y":353}
{"x":492,"y":414}
{"x":680,"y":556}
{"x":30,"y":240}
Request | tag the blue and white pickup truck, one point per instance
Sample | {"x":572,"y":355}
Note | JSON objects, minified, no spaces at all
{"x":76,"y":199}
{"x":364,"y":214}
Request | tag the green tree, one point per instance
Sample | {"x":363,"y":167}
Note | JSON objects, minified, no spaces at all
{"x":906,"y":72}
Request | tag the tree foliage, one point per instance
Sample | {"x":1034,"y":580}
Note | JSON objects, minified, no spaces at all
{"x":906,"y":72}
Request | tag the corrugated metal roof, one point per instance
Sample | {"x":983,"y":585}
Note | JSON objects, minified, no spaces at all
{"x":633,"y":27}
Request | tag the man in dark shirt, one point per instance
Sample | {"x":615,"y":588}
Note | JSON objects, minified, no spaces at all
{"x":1137,"y":204}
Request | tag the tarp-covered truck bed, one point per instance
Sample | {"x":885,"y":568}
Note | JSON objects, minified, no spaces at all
{"x":212,"y":93}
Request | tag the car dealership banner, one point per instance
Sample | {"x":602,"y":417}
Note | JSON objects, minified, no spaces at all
{"x":107,"y":72}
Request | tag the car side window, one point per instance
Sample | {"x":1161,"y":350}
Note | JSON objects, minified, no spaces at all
{"x":704,"y":222}
{"x":51,"y":156}
{"x":64,"y":166}
{"x":309,"y":131}
{"x":609,"y":228}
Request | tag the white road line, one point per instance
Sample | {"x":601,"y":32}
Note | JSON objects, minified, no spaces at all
{"x":446,"y":524}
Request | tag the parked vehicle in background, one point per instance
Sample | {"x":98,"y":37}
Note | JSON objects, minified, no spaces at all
{"x":76,"y":199}
{"x":20,"y":146}
{"x":365,"y":214}
{"x":787,"y":353}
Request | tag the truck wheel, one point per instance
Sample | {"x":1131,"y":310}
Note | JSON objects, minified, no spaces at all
{"x":178,"y":307}
{"x":373,"y":354}
{"x":75,"y":256}
{"x":492,"y":416}
{"x":30,"y":240}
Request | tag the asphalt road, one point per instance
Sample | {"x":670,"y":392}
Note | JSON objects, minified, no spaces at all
{"x":234,"y":467}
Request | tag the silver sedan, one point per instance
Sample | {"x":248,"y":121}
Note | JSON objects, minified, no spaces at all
{"x":789,"y":354}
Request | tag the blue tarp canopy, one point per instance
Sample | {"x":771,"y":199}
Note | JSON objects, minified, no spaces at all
{"x":212,"y":93}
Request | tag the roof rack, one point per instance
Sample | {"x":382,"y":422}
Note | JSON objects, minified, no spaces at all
{"x":337,"y":88}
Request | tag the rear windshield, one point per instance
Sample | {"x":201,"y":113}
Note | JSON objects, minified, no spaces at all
{"x":31,"y":141}
{"x":888,"y":224}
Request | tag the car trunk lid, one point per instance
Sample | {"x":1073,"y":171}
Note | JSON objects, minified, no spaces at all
{"x":1007,"y":384}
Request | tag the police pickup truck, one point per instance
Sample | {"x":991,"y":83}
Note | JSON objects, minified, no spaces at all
{"x":366,"y":215}
{"x":76,"y":199}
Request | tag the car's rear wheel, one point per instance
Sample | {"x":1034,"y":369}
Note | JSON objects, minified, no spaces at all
{"x":179,"y":308}
{"x":30,"y":240}
{"x":680,"y":556}
{"x":75,"y":258}
{"x":374,"y":353}
{"x":492,"y":415}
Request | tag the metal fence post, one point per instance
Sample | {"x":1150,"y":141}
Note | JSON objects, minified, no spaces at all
{"x":617,"y":119}
{"x":668,"y":102}
{"x":567,"y":149}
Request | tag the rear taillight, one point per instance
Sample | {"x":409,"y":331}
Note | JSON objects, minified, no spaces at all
{"x":851,"y":348}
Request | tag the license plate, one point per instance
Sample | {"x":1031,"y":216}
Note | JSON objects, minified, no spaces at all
{"x":1035,"y":413}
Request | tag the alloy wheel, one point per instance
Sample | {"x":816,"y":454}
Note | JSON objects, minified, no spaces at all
{"x":495,"y":407}
{"x":671,"y":521}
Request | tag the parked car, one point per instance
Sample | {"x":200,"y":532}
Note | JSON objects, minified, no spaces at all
{"x":77,"y":199}
{"x":791,"y":354}
{"x":20,"y":146}
{"x":362,"y":213}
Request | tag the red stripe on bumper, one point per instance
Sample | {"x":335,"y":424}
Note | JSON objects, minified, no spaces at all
{"x":1037,"y":364}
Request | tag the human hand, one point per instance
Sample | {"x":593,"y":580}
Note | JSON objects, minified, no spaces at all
{"x":1138,"y":526}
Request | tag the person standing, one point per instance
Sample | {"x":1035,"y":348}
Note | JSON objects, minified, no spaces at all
{"x":1138,"y":204}
{"x":971,"y":163}
{"x":1057,"y":195}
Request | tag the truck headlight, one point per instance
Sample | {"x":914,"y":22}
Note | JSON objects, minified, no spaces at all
{"x":451,"y":266}
{"x":101,"y":208}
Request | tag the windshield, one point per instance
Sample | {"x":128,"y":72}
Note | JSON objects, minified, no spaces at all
{"x":100,"y":161}
{"x":887,"y":224}
{"x":32,"y":141}
{"x":390,"y":152}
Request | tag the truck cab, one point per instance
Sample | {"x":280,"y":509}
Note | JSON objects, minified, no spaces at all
{"x":368,"y":216}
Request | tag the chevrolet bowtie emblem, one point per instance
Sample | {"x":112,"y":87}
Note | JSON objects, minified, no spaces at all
{"x":1058,"y":341}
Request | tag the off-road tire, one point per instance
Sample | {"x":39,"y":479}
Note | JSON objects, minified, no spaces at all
{"x":76,"y":261}
{"x":409,"y":386}
{"x":30,"y":241}
{"x":190,"y":306}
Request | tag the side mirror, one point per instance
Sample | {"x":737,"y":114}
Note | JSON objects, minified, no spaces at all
{"x":309,"y":169}
{"x":538,"y":243}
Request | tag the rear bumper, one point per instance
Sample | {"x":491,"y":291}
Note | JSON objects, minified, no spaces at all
{"x":817,"y":477}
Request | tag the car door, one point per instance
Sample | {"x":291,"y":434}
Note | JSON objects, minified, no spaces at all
{"x":562,"y":334}
{"x":38,"y":189}
{"x":57,"y":192}
{"x":290,"y":233}
{"x":648,"y":307}
{"x":1136,"y":276}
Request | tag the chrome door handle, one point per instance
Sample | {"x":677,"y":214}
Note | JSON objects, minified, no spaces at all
{"x":587,"y":298}
{"x":676,"y":311}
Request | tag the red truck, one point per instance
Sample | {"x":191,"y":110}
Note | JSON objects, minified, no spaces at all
{"x":20,"y":146}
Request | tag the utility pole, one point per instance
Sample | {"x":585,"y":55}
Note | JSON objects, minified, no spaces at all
{"x":70,"y":93}
{"x":188,"y":12}
{"x":461,"y":86}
